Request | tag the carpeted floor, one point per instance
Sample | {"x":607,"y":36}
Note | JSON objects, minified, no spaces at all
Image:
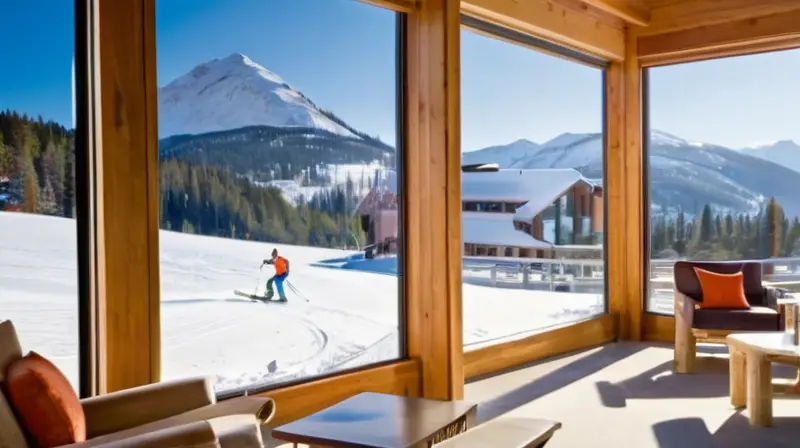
{"x":625,"y":395}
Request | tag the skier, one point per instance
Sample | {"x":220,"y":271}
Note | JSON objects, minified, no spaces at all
{"x":281,"y":272}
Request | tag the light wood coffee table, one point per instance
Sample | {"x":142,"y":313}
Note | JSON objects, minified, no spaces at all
{"x":751,"y":356}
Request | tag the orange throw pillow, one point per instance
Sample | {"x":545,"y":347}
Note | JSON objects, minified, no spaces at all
{"x":722,"y":291}
{"x":47,"y":405}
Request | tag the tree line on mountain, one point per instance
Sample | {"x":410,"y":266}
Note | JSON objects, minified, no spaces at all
{"x":713,"y":235}
{"x":267,"y":153}
{"x":37,"y":175}
{"x":212,"y":200}
{"x":37,"y":165}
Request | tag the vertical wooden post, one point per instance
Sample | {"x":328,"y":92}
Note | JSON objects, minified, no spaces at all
{"x":126,"y":239}
{"x":635,"y":257}
{"x":433,"y":197}
{"x":624,"y":192}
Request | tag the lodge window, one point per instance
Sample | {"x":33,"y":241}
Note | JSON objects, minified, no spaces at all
{"x":518,"y":74}
{"x":244,"y":180}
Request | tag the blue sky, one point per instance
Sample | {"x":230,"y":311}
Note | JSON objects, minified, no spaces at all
{"x":340,"y":53}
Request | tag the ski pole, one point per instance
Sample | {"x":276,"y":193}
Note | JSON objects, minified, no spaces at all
{"x":258,"y":282}
{"x":291,"y":286}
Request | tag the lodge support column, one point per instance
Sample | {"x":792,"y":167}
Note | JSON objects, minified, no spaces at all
{"x":433,"y":197}
{"x":127,"y":196}
{"x":624,"y":187}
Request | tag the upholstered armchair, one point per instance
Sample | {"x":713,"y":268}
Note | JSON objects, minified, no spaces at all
{"x":693,"y":323}
{"x":180,"y":413}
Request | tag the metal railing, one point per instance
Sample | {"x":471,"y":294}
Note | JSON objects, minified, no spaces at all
{"x":543,"y":274}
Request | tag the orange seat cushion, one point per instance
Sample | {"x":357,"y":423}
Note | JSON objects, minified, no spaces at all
{"x":47,"y":405}
{"x":722,"y":291}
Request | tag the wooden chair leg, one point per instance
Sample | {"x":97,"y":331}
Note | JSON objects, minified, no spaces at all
{"x":685,"y":350}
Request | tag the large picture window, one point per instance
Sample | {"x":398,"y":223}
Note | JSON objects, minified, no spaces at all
{"x":280,"y":193}
{"x":723,"y":165}
{"x":38,"y":225}
{"x":533,"y":223}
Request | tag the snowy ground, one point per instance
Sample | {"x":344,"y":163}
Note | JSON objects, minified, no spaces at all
{"x":350,"y":318}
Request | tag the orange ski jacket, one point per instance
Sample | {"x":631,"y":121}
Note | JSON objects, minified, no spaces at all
{"x":280,"y":266}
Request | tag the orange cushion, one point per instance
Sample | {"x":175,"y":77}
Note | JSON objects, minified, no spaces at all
{"x":722,"y":290}
{"x":47,"y":405}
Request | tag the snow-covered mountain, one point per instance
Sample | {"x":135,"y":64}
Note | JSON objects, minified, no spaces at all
{"x":782,"y":152}
{"x":684,"y":175}
{"x":505,"y":155}
{"x":235,"y":92}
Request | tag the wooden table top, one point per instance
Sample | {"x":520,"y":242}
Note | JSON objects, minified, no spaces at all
{"x":508,"y":432}
{"x":374,"y":420}
{"x":773,"y":342}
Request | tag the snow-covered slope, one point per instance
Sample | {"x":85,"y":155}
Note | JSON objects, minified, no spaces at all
{"x":235,"y":92}
{"x":684,"y":174}
{"x":782,"y":152}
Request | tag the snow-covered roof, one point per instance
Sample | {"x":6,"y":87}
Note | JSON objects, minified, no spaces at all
{"x":517,"y":185}
{"x":496,"y":229}
{"x":538,"y":188}
{"x":547,"y":187}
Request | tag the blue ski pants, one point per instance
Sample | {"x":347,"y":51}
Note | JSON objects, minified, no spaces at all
{"x":278,"y":280}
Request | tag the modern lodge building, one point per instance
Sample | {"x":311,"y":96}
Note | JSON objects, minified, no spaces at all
{"x":541,"y":213}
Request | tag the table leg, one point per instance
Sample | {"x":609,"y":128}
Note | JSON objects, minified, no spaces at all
{"x":738,"y":377}
{"x":759,"y":389}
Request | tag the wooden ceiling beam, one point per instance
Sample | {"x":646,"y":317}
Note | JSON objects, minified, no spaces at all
{"x":633,"y":12}
{"x":552,"y":22}
{"x":751,"y":32}
{"x":674,"y":15}
{"x":395,"y":5}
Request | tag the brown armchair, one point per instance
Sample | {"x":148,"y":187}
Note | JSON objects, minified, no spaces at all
{"x":181,"y":413}
{"x":693,"y":323}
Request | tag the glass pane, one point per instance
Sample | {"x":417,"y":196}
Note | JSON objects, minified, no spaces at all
{"x":536,"y":262}
{"x":723,"y":158}
{"x":279,"y":194}
{"x":38,"y":236}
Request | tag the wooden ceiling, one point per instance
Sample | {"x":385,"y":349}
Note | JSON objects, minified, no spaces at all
{"x":664,"y":16}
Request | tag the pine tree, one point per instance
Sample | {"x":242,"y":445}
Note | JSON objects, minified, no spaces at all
{"x":706,"y":226}
{"x":31,"y":195}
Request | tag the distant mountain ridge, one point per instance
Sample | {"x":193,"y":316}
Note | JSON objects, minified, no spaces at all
{"x":684,"y":175}
{"x":782,"y":152}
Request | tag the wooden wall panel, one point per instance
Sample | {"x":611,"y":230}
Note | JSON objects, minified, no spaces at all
{"x":593,"y":332}
{"x":433,"y":198}
{"x":402,"y":378}
{"x":553,"y":22}
{"x":659,"y":328}
{"x":125,"y":147}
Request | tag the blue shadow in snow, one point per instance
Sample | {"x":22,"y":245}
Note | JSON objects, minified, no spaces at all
{"x":357,"y":262}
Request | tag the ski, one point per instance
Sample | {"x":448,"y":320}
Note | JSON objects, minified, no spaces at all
{"x":255,"y":297}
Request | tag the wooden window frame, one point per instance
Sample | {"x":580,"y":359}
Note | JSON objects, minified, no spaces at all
{"x":577,"y":335}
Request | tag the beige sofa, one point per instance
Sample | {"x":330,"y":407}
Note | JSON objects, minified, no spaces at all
{"x":181,"y":413}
